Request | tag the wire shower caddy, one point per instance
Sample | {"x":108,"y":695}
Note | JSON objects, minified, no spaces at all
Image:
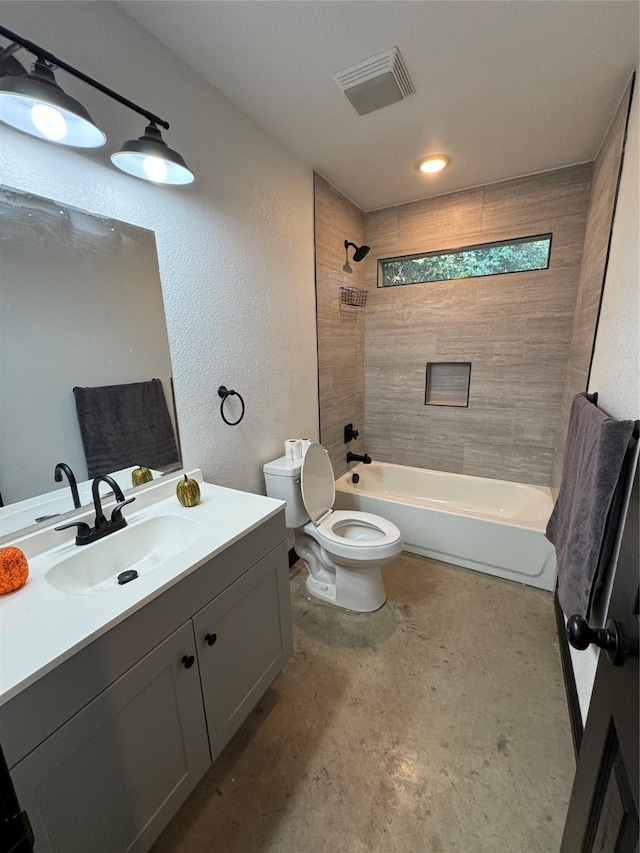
{"x":353,"y":296}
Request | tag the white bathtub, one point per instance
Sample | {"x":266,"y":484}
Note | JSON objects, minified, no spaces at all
{"x":492,"y":526}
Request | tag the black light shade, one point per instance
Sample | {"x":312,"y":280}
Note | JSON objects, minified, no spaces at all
{"x":35,"y":104}
{"x":151,"y":159}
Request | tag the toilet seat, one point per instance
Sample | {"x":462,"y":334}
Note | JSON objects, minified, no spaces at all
{"x":343,"y":533}
{"x":317,"y":482}
{"x":356,"y":535}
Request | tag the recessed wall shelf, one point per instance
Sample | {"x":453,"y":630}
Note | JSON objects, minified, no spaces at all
{"x":447,"y":383}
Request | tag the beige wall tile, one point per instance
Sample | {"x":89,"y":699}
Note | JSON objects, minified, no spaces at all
{"x":545,"y":294}
{"x":421,"y":451}
{"x":340,"y":327}
{"x":439,"y":217}
{"x":524,"y":463}
{"x":519,"y":331}
{"x":515,"y":329}
{"x":537,"y":197}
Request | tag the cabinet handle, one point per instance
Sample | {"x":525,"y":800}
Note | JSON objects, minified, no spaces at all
{"x":211,"y":638}
{"x":188,"y":661}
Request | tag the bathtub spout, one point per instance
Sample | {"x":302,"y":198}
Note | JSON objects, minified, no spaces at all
{"x":356,"y":457}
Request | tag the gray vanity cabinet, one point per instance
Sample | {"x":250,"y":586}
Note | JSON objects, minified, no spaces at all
{"x":105,"y":748}
{"x":243,"y":639}
{"x":110,"y":778}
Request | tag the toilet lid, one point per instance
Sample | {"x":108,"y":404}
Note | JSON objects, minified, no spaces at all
{"x":317,"y":482}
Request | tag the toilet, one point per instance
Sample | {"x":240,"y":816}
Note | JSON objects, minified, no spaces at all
{"x":343,"y":549}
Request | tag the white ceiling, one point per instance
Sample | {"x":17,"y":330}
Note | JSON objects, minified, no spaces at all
{"x":503,"y":88}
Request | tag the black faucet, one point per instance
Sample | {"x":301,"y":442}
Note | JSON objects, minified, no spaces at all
{"x":101,"y":521}
{"x":101,"y":526}
{"x":61,"y":468}
{"x":356,"y":457}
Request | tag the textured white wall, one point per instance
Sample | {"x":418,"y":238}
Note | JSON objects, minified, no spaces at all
{"x":615,"y":371}
{"x":235,"y":249}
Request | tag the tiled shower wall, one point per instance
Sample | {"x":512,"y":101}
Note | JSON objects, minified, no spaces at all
{"x":515,"y":330}
{"x":340,"y":327}
{"x":606,"y":170}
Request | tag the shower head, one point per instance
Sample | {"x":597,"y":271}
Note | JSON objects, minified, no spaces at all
{"x":360,"y":251}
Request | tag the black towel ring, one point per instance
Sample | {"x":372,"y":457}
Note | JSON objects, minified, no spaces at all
{"x":224,"y":393}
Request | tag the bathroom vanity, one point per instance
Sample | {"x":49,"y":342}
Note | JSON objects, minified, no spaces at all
{"x":116,"y":699}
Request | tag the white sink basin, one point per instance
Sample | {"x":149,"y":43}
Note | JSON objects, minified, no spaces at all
{"x":143,"y":545}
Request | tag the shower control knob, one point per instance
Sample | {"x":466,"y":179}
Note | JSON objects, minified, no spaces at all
{"x":581,"y":635}
{"x":350,"y":433}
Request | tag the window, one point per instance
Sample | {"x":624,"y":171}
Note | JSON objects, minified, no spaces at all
{"x":528,"y":253}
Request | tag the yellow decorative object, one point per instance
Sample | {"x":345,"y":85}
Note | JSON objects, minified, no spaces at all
{"x":141,"y":475}
{"x":188,"y":492}
{"x":14,"y":569}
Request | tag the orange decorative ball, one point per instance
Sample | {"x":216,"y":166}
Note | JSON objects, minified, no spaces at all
{"x":14,"y":569}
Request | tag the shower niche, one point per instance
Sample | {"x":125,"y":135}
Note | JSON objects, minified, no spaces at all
{"x":447,"y":383}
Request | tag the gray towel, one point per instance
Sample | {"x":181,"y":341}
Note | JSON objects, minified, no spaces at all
{"x":124,"y":425}
{"x":596,"y":446}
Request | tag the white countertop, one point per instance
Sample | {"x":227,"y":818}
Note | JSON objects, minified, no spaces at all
{"x":42,"y":626}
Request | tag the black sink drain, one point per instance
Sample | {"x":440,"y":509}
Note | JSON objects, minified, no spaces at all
{"x":125,"y":577}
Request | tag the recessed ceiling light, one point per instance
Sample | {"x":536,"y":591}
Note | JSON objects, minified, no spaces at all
{"x":433,"y":164}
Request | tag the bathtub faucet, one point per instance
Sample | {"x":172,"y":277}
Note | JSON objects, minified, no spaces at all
{"x":356,"y":457}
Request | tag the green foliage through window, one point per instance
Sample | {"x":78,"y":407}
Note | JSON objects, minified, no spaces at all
{"x":529,"y":253}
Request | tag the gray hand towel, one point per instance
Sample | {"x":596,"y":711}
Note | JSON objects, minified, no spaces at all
{"x":596,"y":446}
{"x":124,"y":425}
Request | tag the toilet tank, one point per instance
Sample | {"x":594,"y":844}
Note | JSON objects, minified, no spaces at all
{"x":282,"y":477}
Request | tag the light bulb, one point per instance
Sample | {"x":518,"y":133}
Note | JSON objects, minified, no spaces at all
{"x":154,"y":168}
{"x":49,"y":121}
{"x":433,"y":164}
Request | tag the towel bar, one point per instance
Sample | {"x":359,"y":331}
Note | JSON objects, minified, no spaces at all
{"x":593,"y":398}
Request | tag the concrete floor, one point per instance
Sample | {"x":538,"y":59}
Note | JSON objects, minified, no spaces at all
{"x":437,"y":724}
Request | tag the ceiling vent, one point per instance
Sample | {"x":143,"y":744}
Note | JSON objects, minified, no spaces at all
{"x":375,"y":82}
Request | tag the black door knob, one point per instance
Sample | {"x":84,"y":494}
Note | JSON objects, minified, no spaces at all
{"x":188,"y":661}
{"x":581,"y":635}
{"x":211,"y":638}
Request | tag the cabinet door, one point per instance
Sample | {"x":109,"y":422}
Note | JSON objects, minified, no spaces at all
{"x":244,"y":639}
{"x":111,"y":778}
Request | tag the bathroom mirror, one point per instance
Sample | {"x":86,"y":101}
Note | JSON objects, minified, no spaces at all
{"x":80,"y":305}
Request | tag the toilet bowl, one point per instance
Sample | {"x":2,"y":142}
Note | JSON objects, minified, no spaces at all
{"x":343,"y":549}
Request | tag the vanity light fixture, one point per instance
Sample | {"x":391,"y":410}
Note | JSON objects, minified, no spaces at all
{"x":433,"y":164}
{"x":38,"y":106}
{"x":150,"y":158}
{"x":35,"y":104}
